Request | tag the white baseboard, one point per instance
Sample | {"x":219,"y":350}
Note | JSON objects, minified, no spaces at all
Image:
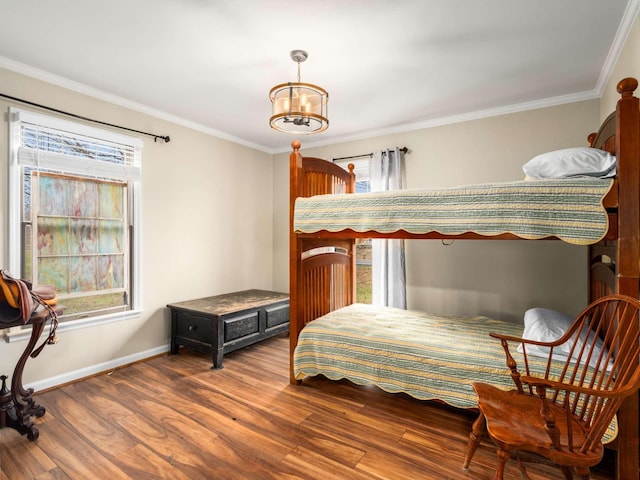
{"x":95,"y":369}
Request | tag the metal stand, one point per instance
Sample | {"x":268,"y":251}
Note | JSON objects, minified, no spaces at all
{"x":17,"y":406}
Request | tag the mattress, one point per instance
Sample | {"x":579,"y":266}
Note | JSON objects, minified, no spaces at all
{"x":427,"y":356}
{"x":569,"y":209}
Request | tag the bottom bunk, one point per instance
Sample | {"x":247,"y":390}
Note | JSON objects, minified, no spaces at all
{"x":427,"y":356}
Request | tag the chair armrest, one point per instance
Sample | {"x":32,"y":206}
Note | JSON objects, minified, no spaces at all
{"x":511,"y":362}
{"x":543,"y":382}
{"x":510,"y":338}
{"x":554,"y":385}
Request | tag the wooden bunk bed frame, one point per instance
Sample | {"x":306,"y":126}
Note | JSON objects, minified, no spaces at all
{"x":320,"y":284}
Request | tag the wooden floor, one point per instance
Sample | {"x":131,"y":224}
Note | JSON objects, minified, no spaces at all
{"x":172,"y":417}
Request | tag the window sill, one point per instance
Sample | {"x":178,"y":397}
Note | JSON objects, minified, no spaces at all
{"x":24,"y":333}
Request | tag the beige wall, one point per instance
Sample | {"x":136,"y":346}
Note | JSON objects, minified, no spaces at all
{"x":206,"y":229}
{"x":628,"y":65}
{"x":497,"y":278}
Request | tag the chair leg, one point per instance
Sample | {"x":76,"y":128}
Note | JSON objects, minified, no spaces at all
{"x":502,"y":461}
{"x":568,"y":473}
{"x":478,"y":430}
{"x":523,"y":470}
{"x":583,"y":472}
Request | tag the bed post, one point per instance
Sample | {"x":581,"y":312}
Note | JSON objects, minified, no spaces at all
{"x":628,"y":253}
{"x":295,"y":304}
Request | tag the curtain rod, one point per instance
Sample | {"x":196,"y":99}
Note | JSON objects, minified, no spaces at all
{"x":403,"y":150}
{"x":165,"y":138}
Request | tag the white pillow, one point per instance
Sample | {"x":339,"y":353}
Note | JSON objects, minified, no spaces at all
{"x":571,"y":162}
{"x":545,"y":325}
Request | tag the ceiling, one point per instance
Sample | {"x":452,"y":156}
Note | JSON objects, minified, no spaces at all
{"x":388,"y":65}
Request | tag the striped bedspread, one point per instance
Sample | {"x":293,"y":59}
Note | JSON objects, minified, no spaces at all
{"x":570,"y":209}
{"x":430,"y":357}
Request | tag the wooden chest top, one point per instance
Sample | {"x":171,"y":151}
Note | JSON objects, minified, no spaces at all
{"x":220,"y":305}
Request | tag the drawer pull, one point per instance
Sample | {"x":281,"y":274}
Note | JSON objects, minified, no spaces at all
{"x":192,"y":328}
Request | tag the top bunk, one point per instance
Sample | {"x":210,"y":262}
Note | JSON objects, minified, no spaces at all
{"x":581,"y":210}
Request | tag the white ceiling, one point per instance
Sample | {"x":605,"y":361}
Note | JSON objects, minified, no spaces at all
{"x":388,"y":65}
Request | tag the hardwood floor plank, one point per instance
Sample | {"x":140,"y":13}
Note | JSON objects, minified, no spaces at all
{"x":314,"y":465}
{"x":250,"y":423}
{"x":359,"y":435}
{"x":258,"y":417}
{"x":55,"y":474}
{"x":142,"y":463}
{"x":241,"y":428}
{"x":172,"y":417}
{"x":280,"y":405}
{"x":19,"y":460}
{"x":389,"y":467}
{"x":225,"y":445}
{"x":94,"y":429}
{"x":77,"y":458}
{"x":328,"y":400}
{"x":192,"y":455}
{"x":240,"y":417}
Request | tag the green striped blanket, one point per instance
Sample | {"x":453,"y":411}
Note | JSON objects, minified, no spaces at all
{"x":427,"y":356}
{"x":570,"y":209}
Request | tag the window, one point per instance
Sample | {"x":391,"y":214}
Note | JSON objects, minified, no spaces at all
{"x":74,"y":213}
{"x":361,"y":171}
{"x":363,"y":245}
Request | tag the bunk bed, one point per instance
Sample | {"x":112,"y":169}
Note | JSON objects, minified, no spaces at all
{"x":322,"y":248}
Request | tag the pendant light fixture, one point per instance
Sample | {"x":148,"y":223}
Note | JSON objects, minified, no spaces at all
{"x":299,"y":108}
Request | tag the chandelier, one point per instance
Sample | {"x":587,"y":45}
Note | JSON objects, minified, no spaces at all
{"x":299,"y":108}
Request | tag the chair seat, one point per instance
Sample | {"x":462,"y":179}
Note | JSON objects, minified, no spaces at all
{"x":506,"y":412}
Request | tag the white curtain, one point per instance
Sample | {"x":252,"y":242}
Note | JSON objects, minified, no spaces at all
{"x":388,"y":262}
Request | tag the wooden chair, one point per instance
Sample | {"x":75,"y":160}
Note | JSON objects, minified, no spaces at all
{"x":560,"y":413}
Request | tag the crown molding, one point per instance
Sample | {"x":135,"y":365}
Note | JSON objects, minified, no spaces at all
{"x":78,"y":87}
{"x":624,"y":28}
{"x":460,"y":118}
